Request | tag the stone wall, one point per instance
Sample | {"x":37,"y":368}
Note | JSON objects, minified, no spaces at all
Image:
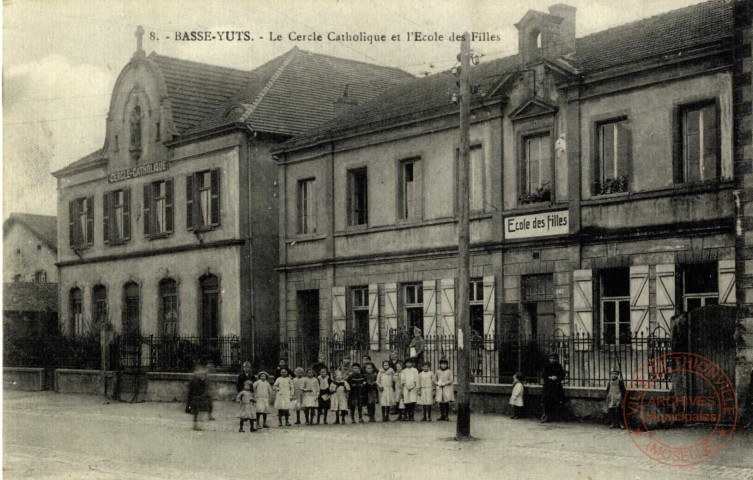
{"x":85,"y":381}
{"x":29,"y":379}
{"x":173,"y":387}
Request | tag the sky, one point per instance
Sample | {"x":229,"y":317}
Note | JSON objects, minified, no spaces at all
{"x":61,"y":58}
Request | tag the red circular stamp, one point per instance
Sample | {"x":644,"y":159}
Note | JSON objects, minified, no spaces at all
{"x":702,"y":394}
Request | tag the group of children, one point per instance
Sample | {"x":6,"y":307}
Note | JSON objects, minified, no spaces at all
{"x":397,"y":388}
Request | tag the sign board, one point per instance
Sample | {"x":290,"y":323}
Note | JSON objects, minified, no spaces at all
{"x":537,"y":225}
{"x":140,"y":171}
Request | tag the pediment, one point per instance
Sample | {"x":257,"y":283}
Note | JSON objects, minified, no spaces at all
{"x":534,"y":107}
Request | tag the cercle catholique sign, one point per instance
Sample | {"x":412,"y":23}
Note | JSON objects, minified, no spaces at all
{"x":537,"y":225}
{"x":140,"y":171}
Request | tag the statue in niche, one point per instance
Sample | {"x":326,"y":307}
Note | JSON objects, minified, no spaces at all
{"x":136,"y":128}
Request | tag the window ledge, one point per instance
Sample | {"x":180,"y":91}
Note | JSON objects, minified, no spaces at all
{"x":676,"y":190}
{"x":537,"y":207}
{"x":480,"y":215}
{"x":398,"y":226}
{"x":306,"y":237}
{"x":160,"y":236}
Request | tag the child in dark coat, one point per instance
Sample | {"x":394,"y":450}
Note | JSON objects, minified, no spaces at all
{"x":615,"y":395}
{"x":372,"y":391}
{"x":357,"y":395}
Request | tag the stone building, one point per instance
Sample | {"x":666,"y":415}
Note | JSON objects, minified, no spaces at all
{"x":171,"y":227}
{"x":602,"y":188}
{"x":30,"y":247}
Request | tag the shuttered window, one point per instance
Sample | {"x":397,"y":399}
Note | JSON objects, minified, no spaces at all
{"x":158,"y":208}
{"x":203,"y":200}
{"x":81,"y":222}
{"x":698,"y":153}
{"x":116,"y":216}
{"x":306,"y":206}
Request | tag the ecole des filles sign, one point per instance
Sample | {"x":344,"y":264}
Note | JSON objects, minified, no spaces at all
{"x":537,"y":225}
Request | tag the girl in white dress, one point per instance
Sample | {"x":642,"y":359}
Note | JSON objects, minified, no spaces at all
{"x":339,"y":401}
{"x":409,"y":379}
{"x":426,"y":390}
{"x":445,"y":389}
{"x":262,"y":392}
{"x":248,"y":410}
{"x":386,"y":384}
{"x":399,"y":391}
{"x":298,"y":394}
{"x":284,"y":388}
{"x":310,"y":396}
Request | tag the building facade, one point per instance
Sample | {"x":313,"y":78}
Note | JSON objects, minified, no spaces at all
{"x":171,"y":228}
{"x":30,"y":248}
{"x":602,"y":190}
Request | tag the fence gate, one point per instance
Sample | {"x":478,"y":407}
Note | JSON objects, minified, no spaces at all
{"x":711,"y":334}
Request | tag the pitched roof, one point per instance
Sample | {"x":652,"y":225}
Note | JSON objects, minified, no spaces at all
{"x":30,"y":297}
{"x":643,"y":39}
{"x":296,"y":92}
{"x":44,"y":226}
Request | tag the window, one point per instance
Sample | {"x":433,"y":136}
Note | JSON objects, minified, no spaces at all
{"x":203,"y":200}
{"x":615,"y":306}
{"x":701,"y":285}
{"x":414,"y":306}
{"x":358,"y":200}
{"x":210,"y":306}
{"x":135,"y":122}
{"x":116,"y":216}
{"x":18,"y":251}
{"x":476,"y":179}
{"x":99,"y":304}
{"x":40,"y":276}
{"x":476,"y":295}
{"x":76,"y":319}
{"x":699,"y":152}
{"x":81,"y":222}
{"x":306,"y":206}
{"x":39,"y":248}
{"x":158,"y":209}
{"x":17,"y":277}
{"x":360,"y":309}
{"x":537,"y":169}
{"x":613,"y":157}
{"x":410,"y":191}
{"x":131,"y":309}
{"x":168,"y":294}
{"x":157,"y":134}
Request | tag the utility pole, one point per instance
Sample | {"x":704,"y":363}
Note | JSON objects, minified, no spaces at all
{"x":463,"y":430}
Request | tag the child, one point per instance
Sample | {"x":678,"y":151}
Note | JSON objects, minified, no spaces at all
{"x":357,"y":396}
{"x":399,"y":400}
{"x":445,"y":389}
{"x":516,"y":398}
{"x":262,"y":392}
{"x":310,"y":390}
{"x":248,"y":410}
{"x":284,"y":387}
{"x":339,"y":389}
{"x":615,"y":396}
{"x":426,"y":390}
{"x":409,"y":379}
{"x":372,"y":392}
{"x":324,"y":400}
{"x":386,"y":385}
{"x":298,"y":394}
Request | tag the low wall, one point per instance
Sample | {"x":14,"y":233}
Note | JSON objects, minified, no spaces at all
{"x":84,"y":381}
{"x":19,"y":378}
{"x":173,"y":387}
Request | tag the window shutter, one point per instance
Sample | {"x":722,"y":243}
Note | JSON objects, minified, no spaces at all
{"x":313,"y":207}
{"x":338,"y":312}
{"x":215,"y":197}
{"x":106,"y":217}
{"x":677,"y":146}
{"x":447,"y":304}
{"x":727,"y":294}
{"x":490,"y":318}
{"x":126,"y":213}
{"x":418,"y":194}
{"x":300,"y":209}
{"x":390,"y":308}
{"x":169,"y":205}
{"x":639,"y":303}
{"x":665,"y":296}
{"x":430,"y":308}
{"x":374,"y":316}
{"x":90,"y":220}
{"x":148,"y":210}
{"x":72,"y":229}
{"x":189,"y":202}
{"x":583,"y":307}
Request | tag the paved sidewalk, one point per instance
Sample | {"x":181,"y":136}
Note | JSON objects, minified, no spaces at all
{"x":47,"y":434}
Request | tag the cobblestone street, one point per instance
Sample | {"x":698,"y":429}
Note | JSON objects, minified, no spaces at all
{"x":49,"y":435}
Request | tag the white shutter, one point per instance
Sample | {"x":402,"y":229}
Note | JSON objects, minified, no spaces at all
{"x":639,"y":303}
{"x":390,"y":308}
{"x":583,"y":307}
{"x":489,"y":308}
{"x":338,"y":311}
{"x":447,"y":303}
{"x":430,"y":307}
{"x":374,"y":317}
{"x":665,"y":296}
{"x":727,"y":294}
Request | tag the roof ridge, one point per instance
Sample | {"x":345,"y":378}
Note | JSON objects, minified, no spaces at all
{"x":194,"y":62}
{"x":291,"y":55}
{"x":362,"y":62}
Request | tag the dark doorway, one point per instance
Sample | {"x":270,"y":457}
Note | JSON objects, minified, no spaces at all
{"x":308,"y":314}
{"x":210,"y":306}
{"x":131,"y":309}
{"x":477,"y":319}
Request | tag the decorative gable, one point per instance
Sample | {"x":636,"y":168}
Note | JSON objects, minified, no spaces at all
{"x":535,"y":107}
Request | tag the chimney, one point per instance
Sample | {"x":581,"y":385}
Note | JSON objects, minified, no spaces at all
{"x":344,"y":103}
{"x":566,"y":37}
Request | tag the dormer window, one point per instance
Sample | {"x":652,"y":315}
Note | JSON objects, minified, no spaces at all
{"x":135,"y":147}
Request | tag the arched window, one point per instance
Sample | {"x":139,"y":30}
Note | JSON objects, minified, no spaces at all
{"x":76,"y":320}
{"x":135,"y":122}
{"x":99,"y":304}
{"x":210,"y":306}
{"x":534,"y":40}
{"x":131,"y":309}
{"x":168,"y":307}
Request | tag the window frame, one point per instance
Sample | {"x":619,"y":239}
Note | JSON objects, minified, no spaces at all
{"x":351,"y":197}
{"x":79,"y":238}
{"x":193,"y":200}
{"x":598,"y":174}
{"x":524,"y":137}
{"x":476,"y":286}
{"x":150,"y":208}
{"x":681,"y":165}
{"x":76,"y":315}
{"x":306,"y":213}
{"x":40,"y":276}
{"x":417,"y":174}
{"x":109,"y":216}
{"x":173,"y":296}
{"x":617,"y":300}
{"x":361,"y":291}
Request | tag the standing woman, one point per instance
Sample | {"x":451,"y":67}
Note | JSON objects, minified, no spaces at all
{"x":417,"y":347}
{"x":553,"y":394}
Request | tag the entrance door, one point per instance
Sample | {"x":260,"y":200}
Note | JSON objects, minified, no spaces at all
{"x":308,"y":345}
{"x":131,"y":320}
{"x":210,"y":306}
